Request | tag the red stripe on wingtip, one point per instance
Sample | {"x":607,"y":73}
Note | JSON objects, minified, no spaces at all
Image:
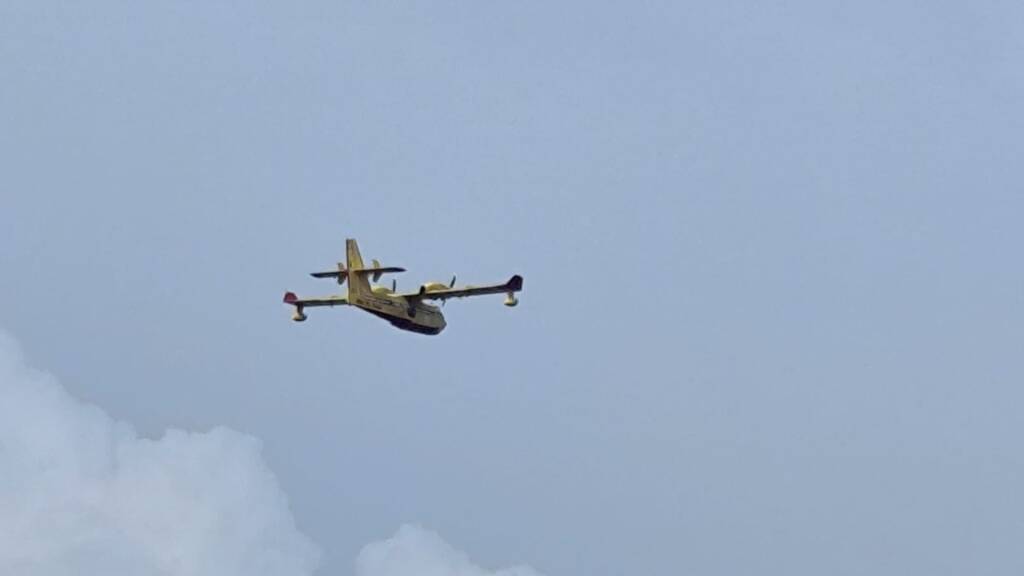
{"x":290,"y":297}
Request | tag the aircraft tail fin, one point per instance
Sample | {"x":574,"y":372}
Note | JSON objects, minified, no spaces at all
{"x":357,"y":275}
{"x":357,"y":282}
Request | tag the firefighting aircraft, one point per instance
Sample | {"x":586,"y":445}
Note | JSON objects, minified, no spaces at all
{"x":406,"y":311}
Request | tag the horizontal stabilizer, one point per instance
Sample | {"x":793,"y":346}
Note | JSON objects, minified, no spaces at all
{"x":344,"y":273}
{"x":333,"y":274}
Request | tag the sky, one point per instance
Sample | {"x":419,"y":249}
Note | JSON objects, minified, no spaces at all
{"x":771,"y":320}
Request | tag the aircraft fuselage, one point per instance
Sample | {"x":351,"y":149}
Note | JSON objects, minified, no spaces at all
{"x":401,"y":312}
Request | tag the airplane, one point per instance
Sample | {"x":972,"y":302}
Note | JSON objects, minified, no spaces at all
{"x":407,"y":311}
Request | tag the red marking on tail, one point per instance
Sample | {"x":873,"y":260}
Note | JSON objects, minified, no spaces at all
{"x":290,"y":298}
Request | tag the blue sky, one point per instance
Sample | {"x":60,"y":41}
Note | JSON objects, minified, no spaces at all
{"x":772,"y":309}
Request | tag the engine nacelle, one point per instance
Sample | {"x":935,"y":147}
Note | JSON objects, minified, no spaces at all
{"x":511,"y":299}
{"x":298,"y":316}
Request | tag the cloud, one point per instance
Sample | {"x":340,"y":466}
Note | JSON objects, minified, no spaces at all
{"x":81,"y":493}
{"x":414,"y":551}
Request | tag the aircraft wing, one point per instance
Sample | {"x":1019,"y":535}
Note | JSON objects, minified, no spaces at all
{"x":291,"y":298}
{"x":515,"y":284}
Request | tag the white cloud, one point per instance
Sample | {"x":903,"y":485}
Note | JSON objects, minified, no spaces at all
{"x":82,"y":494}
{"x":414,"y":551}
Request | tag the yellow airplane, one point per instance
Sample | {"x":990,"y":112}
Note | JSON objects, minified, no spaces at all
{"x":405,"y":311}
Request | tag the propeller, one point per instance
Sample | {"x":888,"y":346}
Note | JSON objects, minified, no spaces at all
{"x":394,"y":285}
{"x":451,"y":285}
{"x":376,"y":275}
